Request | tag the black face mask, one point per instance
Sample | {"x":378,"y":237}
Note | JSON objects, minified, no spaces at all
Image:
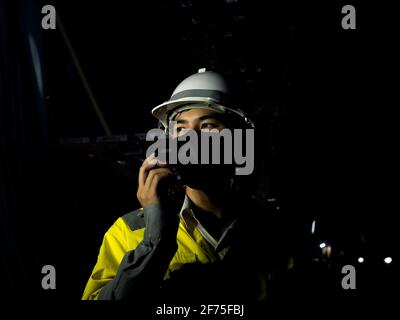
{"x":204,"y":177}
{"x":207,"y":177}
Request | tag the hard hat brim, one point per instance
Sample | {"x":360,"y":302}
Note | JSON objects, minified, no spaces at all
{"x":162,"y":111}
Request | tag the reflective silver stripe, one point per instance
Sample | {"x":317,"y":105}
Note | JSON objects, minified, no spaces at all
{"x":213,"y":94}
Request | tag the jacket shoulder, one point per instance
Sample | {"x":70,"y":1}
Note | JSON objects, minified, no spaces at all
{"x":134,"y":219}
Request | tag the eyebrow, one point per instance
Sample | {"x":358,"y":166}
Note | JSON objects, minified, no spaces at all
{"x":202,"y":118}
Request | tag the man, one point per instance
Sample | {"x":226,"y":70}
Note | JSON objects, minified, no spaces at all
{"x":216,"y":246}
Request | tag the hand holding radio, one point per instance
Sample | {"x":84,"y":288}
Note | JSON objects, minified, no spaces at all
{"x":152,"y":175}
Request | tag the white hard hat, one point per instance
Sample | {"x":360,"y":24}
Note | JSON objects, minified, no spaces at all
{"x":205,"y":89}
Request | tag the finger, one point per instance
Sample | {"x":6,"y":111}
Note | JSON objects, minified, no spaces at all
{"x":153,"y":189}
{"x":156,"y":160}
{"x":148,"y":164}
{"x":154,"y":173}
{"x":153,"y":178}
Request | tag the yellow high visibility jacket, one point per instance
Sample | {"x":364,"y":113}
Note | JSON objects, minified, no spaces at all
{"x":125,"y":253}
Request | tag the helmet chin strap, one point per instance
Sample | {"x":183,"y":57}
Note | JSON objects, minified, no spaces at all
{"x":162,"y":127}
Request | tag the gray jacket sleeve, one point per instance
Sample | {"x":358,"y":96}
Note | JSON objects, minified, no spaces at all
{"x":142,"y":270}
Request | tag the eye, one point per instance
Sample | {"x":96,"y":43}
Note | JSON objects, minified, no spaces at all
{"x":208,"y":125}
{"x":179,"y":131}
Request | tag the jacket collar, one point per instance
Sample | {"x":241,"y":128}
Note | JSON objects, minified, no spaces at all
{"x":190,"y":221}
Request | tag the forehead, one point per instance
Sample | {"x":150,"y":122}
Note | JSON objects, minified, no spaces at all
{"x":195,"y":113}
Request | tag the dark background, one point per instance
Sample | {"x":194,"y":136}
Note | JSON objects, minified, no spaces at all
{"x":323,"y":100}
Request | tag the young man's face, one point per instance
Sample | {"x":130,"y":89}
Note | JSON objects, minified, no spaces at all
{"x":197,"y":119}
{"x":197,"y":176}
